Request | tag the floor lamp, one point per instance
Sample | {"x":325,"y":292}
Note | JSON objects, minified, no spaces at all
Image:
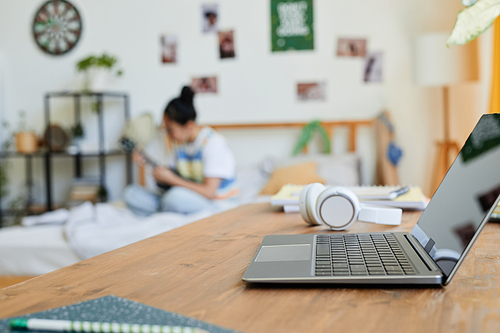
{"x":437,"y":65}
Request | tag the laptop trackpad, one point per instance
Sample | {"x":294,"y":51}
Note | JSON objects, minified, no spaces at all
{"x":294,"y":252}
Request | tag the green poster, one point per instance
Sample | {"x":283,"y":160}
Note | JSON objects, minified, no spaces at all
{"x":292,"y":25}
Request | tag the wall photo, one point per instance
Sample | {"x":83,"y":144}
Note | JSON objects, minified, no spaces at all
{"x":313,"y":91}
{"x":210,"y":15}
{"x":203,"y":85}
{"x":348,"y":47}
{"x":226,"y":44}
{"x":373,"y":67}
{"x":168,"y":49}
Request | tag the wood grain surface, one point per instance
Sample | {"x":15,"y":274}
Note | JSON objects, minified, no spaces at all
{"x":196,"y":271}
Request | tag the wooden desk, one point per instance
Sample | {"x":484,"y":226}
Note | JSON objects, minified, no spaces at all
{"x":196,"y":271}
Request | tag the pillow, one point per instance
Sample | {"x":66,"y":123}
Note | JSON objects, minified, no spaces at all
{"x":338,"y":170}
{"x":300,"y":174}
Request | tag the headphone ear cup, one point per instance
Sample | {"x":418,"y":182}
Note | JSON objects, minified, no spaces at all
{"x":338,"y":207}
{"x":307,"y":202}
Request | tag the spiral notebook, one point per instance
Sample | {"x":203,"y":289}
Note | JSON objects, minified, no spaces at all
{"x":414,"y":199}
{"x":118,"y":310}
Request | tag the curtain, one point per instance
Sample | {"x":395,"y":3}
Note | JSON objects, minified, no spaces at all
{"x":495,"y":80}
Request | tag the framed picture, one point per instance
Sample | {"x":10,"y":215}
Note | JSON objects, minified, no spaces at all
{"x":226,"y":44}
{"x":292,"y":25}
{"x":313,"y":91}
{"x":373,"y":67}
{"x":347,"y":47}
{"x":203,"y":85}
{"x":168,"y":49}
{"x":210,"y":15}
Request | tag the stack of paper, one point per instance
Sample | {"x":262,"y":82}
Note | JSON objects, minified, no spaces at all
{"x":414,"y":199}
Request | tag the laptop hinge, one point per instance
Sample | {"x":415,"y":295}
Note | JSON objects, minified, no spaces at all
{"x":431,"y":265}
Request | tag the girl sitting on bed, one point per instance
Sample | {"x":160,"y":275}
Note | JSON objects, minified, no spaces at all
{"x":202,"y":173}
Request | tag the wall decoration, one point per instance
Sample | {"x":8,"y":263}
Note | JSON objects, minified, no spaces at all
{"x":204,"y":85}
{"x":348,"y":47}
{"x":226,"y":44}
{"x":292,"y":25}
{"x":314,"y":91}
{"x":210,"y":17}
{"x":57,"y":27}
{"x":168,"y":49}
{"x":373,"y":67}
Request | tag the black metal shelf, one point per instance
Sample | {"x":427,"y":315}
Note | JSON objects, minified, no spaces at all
{"x":89,"y":94}
{"x":47,"y":154}
{"x":13,"y":154}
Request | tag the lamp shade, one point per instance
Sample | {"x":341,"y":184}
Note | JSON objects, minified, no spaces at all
{"x":439,"y":65}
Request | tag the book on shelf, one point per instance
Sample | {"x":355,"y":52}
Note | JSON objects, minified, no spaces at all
{"x":413,"y":198}
{"x":84,"y":189}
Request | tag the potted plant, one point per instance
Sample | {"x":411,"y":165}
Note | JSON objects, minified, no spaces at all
{"x":26,"y":140}
{"x":77,"y":131}
{"x":95,"y":70}
{"x":77,"y":134}
{"x":4,"y":180}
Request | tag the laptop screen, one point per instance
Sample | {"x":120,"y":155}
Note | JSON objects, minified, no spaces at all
{"x":465,"y":198}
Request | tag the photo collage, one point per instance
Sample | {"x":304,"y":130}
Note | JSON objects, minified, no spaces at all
{"x":306,"y":90}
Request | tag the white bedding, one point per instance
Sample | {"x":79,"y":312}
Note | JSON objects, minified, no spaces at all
{"x":92,"y":230}
{"x":95,"y":229}
{"x":35,"y":250}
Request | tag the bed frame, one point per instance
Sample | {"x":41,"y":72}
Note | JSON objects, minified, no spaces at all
{"x":351,"y":125}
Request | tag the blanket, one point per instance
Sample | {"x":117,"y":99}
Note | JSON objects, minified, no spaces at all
{"x":95,"y":229}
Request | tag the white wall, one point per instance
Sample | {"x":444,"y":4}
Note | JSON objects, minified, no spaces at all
{"x":257,"y":85}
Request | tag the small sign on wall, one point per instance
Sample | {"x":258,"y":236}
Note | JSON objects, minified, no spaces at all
{"x":292,"y":25}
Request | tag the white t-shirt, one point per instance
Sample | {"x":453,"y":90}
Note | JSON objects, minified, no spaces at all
{"x":208,"y":156}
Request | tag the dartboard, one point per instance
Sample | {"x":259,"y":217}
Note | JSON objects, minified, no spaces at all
{"x":57,"y":27}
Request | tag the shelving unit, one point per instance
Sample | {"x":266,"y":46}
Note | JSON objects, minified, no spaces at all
{"x":48,"y":154}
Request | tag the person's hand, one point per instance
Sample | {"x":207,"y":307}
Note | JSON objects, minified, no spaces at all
{"x":137,"y":158}
{"x":164,"y":175}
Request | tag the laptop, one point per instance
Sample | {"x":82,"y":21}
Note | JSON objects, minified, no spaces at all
{"x":430,"y":255}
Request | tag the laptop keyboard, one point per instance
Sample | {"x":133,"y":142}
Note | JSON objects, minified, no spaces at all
{"x":360,"y":254}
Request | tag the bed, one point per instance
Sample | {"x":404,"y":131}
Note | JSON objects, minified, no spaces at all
{"x":90,"y":230}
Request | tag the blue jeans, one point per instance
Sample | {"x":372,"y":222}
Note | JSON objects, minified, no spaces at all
{"x":177,"y":199}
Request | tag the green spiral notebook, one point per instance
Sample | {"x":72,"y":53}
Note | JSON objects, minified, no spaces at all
{"x":116,"y":309}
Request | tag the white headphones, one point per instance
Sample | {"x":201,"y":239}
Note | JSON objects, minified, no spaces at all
{"x":338,"y":208}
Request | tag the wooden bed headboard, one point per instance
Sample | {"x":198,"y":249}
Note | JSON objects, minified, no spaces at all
{"x":330,"y":126}
{"x":386,"y":172}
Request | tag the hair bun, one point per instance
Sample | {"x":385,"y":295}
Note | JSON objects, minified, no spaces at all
{"x":187,"y":94}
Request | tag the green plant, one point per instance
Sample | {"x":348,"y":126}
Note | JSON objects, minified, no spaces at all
{"x":7,"y":143}
{"x":306,"y":135}
{"x":22,"y":121}
{"x":103,"y":61}
{"x":17,"y":206}
{"x":4,"y":180}
{"x":102,"y":194}
{"x":474,"y":20}
{"x":77,"y":131}
{"x":21,"y":127}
